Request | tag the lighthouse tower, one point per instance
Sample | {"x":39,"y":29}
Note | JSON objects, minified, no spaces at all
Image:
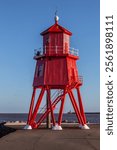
{"x":56,"y":70}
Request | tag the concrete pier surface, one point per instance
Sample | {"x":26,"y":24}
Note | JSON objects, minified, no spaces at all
{"x":46,"y":139}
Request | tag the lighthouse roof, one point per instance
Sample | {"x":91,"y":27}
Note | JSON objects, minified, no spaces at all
{"x":55,"y":29}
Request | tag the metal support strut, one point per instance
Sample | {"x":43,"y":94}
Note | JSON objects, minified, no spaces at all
{"x":31,"y":122}
{"x":81,"y":105}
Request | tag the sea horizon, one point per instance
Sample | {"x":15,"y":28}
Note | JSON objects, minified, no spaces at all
{"x":70,"y":117}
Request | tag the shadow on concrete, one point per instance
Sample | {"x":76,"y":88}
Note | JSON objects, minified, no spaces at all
{"x":4,"y":130}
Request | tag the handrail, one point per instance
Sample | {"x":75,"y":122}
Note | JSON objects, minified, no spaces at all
{"x":53,"y":97}
{"x":56,"y":50}
{"x":80,"y":78}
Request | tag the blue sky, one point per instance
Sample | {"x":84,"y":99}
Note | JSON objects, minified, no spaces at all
{"x":20,"y":25}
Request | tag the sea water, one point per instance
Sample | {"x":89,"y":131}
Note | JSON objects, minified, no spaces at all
{"x":68,"y":117}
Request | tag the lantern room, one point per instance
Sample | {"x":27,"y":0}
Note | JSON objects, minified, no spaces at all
{"x":56,"y":39}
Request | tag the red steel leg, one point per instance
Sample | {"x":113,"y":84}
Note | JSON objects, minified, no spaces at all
{"x":61,"y":109}
{"x":79,"y":117}
{"x":50,"y":104}
{"x":31,"y":105}
{"x":37,"y":105}
{"x":81,"y":105}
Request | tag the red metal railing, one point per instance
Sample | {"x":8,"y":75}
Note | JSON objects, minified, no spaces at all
{"x":80,"y":78}
{"x":55,"y":50}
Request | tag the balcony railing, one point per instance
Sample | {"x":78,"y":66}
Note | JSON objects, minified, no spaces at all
{"x":74,"y":51}
{"x":77,"y":78}
{"x":55,"y":50}
{"x":80,"y":78}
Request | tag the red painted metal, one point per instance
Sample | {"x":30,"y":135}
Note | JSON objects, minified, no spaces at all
{"x":56,"y":69}
{"x":48,"y":111}
{"x":48,"y":73}
{"x":37,"y":106}
{"x":61,"y":109}
{"x":81,"y":105}
{"x":78,"y":114}
{"x":31,"y":105}
{"x":54,"y":103}
{"x":56,"y":28}
{"x":50,"y":104}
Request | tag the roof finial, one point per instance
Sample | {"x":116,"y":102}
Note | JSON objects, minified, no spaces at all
{"x":56,"y":17}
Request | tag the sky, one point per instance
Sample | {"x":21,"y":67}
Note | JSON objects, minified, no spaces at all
{"x":21,"y":22}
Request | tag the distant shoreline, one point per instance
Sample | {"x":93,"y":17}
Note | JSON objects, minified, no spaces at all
{"x":92,"y":112}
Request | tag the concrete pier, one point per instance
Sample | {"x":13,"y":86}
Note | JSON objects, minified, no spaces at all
{"x":46,"y":139}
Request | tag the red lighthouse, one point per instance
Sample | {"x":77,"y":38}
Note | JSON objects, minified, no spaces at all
{"x":56,"y":70}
